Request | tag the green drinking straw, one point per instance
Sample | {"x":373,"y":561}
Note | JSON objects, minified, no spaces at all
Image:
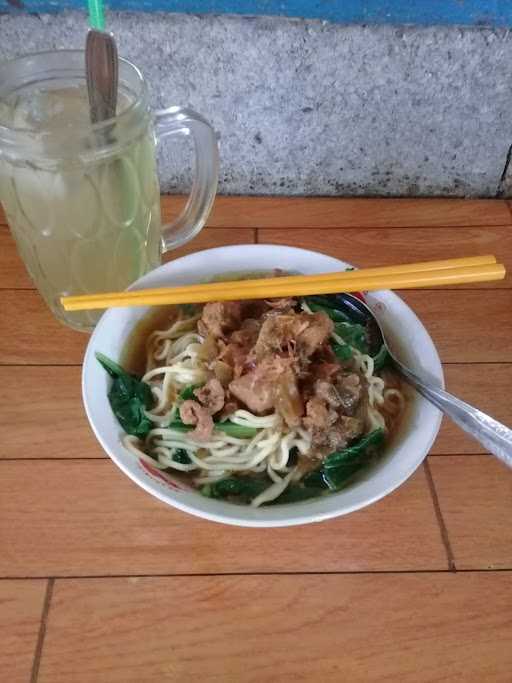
{"x":96,"y":15}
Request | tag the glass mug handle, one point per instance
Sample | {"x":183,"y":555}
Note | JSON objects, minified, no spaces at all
{"x":183,"y":121}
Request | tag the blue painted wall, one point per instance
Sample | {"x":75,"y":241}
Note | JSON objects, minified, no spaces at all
{"x":497,"y":13}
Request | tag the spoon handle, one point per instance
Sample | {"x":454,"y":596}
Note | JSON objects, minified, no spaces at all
{"x":493,"y":435}
{"x":101,"y":68}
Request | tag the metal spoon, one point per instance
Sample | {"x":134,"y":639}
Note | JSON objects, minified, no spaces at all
{"x":102,"y":69}
{"x":493,"y":435}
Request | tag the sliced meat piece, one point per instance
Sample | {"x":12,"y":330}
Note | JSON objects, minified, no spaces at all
{"x":208,"y":350}
{"x":253,"y":308}
{"x":330,"y":428}
{"x":235,"y":356}
{"x":247,"y":335}
{"x":325,"y":354}
{"x":319,"y":415}
{"x":326,"y":440}
{"x":211,"y":396}
{"x":325,"y":371}
{"x":255,"y":392}
{"x":318,"y":330}
{"x":192,"y":413}
{"x":328,"y":393}
{"x":352,"y":427}
{"x":287,"y":332}
{"x":219,"y":318}
{"x":285,"y":304}
{"x":350,"y":389}
{"x":287,"y":398}
{"x":278,"y":333}
{"x":222,"y":371}
{"x":256,"y":388}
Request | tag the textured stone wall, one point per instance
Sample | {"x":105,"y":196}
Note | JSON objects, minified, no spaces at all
{"x":312,"y":108}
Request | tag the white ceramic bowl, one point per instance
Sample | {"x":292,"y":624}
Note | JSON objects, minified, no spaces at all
{"x":407,"y":450}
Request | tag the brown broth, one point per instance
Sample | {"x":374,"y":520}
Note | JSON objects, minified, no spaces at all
{"x":133,"y":356}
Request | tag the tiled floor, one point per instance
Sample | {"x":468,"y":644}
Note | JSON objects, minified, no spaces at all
{"x":101,"y":582}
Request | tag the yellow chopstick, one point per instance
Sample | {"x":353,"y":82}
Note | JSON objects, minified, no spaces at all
{"x":256,"y":284}
{"x":351,"y":281}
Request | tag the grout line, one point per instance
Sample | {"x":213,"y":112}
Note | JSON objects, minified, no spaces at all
{"x":477,"y":362}
{"x":341,"y":228}
{"x":40,"y":365}
{"x":100,"y":458}
{"x":501,"y":189}
{"x":439,"y":515}
{"x":509,"y":207}
{"x":42,"y":631}
{"x":18,"y":289}
{"x":460,"y":455}
{"x":364,"y":572}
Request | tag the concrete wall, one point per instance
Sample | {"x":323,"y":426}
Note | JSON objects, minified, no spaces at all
{"x":308,"y":107}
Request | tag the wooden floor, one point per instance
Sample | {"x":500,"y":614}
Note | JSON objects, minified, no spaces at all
{"x":102,"y":583}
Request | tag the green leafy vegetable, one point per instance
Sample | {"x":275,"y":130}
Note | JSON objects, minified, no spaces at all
{"x":189,"y":309}
{"x":381,"y":358}
{"x":321,"y":304}
{"x":342,"y":351}
{"x":353,"y":334}
{"x":337,"y":477}
{"x":178,"y":425}
{"x":237,"y":431}
{"x":229,"y":428}
{"x":245,"y":488}
{"x":316,"y":480}
{"x":129,"y":397}
{"x":339,"y":466}
{"x":182,"y":457}
{"x":188,"y":392}
{"x":356,"y":450}
{"x":296,"y":493}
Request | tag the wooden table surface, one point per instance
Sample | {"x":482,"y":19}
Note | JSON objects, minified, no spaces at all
{"x":101,"y":582}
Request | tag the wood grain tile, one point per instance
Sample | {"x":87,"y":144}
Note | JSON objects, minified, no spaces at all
{"x":21,"y":607}
{"x":486,"y":386}
{"x":30,"y":333}
{"x":14,"y":276}
{"x":367,"y":247}
{"x":12,"y":270}
{"x":42,"y":414}
{"x":459,"y":322}
{"x":411,"y":628}
{"x":210,"y":238}
{"x":334,"y":212}
{"x":466,"y":326}
{"x":475,"y":496}
{"x":86,"y":518}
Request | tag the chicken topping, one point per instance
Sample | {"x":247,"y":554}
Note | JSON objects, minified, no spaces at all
{"x":193,"y":413}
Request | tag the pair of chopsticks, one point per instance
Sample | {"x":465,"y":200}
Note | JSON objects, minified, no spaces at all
{"x":413,"y":275}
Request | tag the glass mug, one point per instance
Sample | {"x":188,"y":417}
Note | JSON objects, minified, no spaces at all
{"x":83,"y":200}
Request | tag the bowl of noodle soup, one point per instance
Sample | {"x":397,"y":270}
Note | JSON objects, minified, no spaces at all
{"x":166,"y":454}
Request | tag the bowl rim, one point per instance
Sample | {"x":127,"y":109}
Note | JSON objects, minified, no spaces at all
{"x":233,"y":519}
